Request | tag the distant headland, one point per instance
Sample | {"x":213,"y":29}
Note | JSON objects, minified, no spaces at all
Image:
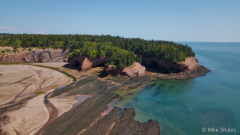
{"x":100,"y":65}
{"x":118,"y":55}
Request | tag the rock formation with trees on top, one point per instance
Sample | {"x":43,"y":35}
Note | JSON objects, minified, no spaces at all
{"x":118,"y":54}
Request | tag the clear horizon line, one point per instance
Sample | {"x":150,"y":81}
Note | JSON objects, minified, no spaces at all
{"x":211,"y":41}
{"x":119,"y":36}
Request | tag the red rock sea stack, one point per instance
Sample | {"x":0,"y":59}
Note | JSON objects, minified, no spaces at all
{"x":86,"y":63}
{"x":136,"y":70}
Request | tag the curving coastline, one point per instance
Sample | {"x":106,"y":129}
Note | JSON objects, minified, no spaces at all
{"x":84,"y":118}
{"x":87,"y":118}
{"x":163,"y":68}
{"x":26,"y":112}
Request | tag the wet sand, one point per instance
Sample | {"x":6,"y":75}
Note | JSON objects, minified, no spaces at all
{"x":81,"y":108}
{"x":65,"y":103}
{"x":22,"y":120}
{"x":18,"y":82}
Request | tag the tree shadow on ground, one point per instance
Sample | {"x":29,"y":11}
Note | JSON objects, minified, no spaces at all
{"x":75,"y":67}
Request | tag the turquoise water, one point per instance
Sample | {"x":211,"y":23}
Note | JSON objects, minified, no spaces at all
{"x":187,"y":107}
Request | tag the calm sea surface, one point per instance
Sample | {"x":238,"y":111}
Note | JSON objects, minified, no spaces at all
{"x":188,"y":107}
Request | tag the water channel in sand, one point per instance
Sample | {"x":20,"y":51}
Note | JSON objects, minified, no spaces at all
{"x":20,"y":82}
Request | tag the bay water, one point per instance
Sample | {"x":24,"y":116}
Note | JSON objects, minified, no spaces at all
{"x":204,"y":105}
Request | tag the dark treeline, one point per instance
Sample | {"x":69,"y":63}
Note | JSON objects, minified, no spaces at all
{"x":121,"y":51}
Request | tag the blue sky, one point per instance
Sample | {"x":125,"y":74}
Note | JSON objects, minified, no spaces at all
{"x":176,"y":20}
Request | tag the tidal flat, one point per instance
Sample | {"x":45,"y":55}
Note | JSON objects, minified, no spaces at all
{"x":22,"y":89}
{"x":40,"y":108}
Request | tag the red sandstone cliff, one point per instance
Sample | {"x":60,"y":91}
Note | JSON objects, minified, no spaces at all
{"x":86,"y":63}
{"x":136,"y":70}
{"x":170,"y":66}
{"x":39,"y":55}
{"x":190,"y":62}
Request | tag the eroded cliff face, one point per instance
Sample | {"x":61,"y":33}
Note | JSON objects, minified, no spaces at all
{"x":86,"y":63}
{"x":170,"y":66}
{"x":136,"y":70}
{"x":39,"y":55}
{"x":190,"y":62}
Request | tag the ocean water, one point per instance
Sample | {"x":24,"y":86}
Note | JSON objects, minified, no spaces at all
{"x":204,"y":105}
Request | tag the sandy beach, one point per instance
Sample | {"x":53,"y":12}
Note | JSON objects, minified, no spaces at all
{"x":18,"y":82}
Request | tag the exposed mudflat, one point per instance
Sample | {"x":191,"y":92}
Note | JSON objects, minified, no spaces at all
{"x":22,"y":91}
{"x":20,"y":80}
{"x":28,"y":119}
{"x":93,"y":116}
{"x":63,"y":104}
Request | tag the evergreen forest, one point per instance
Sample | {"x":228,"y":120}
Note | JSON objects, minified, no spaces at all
{"x":120,"y":51}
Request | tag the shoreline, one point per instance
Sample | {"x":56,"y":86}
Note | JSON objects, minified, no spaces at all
{"x":196,"y":72}
{"x":92,"y":83}
{"x":28,"y":102}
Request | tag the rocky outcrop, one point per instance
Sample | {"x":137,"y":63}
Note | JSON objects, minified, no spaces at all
{"x":113,"y":70}
{"x":86,"y":63}
{"x":170,"y":66}
{"x":190,"y":63}
{"x":188,"y":74}
{"x":186,"y":70}
{"x":76,"y":60}
{"x":39,"y":55}
{"x":87,"y":118}
{"x":126,"y":125}
{"x":136,"y":70}
{"x":13,"y":58}
{"x":167,"y":65}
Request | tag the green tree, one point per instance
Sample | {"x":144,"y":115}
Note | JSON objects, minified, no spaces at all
{"x":27,"y":44}
{"x":15,"y":50}
{"x":66,"y":44}
{"x":23,"y":43}
{"x":81,"y":44}
{"x":99,"y":50}
{"x":140,"y":59}
{"x":3,"y":51}
{"x":10,"y":41}
{"x":119,"y":64}
{"x":37,"y":43}
{"x":74,"y":46}
{"x":47,"y":43}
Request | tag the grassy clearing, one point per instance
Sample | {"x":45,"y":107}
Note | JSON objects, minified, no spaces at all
{"x":14,"y":64}
{"x":39,"y":92}
{"x":132,"y":65}
{"x":180,"y":62}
